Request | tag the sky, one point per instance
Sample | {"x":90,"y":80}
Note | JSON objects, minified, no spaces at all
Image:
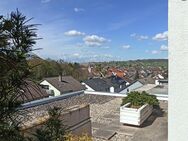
{"x":97,"y":30}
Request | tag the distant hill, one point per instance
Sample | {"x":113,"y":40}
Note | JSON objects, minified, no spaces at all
{"x":144,"y":62}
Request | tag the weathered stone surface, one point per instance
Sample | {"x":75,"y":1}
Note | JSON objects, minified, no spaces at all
{"x":105,"y":119}
{"x":104,"y":112}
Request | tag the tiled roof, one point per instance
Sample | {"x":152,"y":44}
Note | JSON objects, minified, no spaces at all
{"x":68,"y":84}
{"x":147,"y":80}
{"x":32,"y":91}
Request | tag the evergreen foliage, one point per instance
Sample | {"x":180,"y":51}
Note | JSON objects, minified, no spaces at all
{"x":17,"y":38}
{"x":138,"y":99}
{"x":53,"y":129}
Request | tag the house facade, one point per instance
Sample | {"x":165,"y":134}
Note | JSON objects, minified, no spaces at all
{"x":56,"y":86}
{"x":53,"y":91}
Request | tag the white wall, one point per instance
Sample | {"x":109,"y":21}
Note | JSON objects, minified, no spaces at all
{"x":88,"y":87}
{"x":105,"y":93}
{"x":178,"y":70}
{"x":134,"y":86}
{"x":56,"y":92}
{"x":156,"y":82}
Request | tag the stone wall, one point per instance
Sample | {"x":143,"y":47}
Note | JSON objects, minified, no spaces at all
{"x":76,"y":118}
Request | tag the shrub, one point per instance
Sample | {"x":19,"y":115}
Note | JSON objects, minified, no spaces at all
{"x":53,"y":129}
{"x":138,"y":99}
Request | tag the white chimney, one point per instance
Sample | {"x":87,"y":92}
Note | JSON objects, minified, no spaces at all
{"x":157,"y":82}
{"x":112,"y":89}
{"x":60,"y":78}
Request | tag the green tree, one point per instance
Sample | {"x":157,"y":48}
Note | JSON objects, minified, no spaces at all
{"x":53,"y":129}
{"x":17,"y":39}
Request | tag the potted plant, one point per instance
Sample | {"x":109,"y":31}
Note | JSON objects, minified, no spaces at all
{"x":137,"y":107}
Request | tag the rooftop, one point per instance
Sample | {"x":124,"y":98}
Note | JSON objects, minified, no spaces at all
{"x":104,"y":84}
{"x":159,"y":90}
{"x":106,"y":125}
{"x":32,"y":91}
{"x":147,"y":80}
{"x":104,"y":111}
{"x":154,"y":89}
{"x":97,"y":84}
{"x":66,"y":84}
{"x":146,"y":87}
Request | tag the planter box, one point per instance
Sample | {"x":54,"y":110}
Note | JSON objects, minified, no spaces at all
{"x":135,"y":116}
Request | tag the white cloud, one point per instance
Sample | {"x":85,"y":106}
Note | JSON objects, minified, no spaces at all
{"x":78,"y":9}
{"x":76,"y":54}
{"x":74,"y":33}
{"x":164,"y":48}
{"x":126,"y":46}
{"x":155,"y":52}
{"x":139,"y":37}
{"x":94,"y":40}
{"x":161,"y":36}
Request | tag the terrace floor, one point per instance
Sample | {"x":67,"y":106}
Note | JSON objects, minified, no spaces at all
{"x":106,"y":125}
{"x":104,"y":111}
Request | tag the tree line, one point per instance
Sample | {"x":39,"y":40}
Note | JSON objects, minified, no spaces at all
{"x":42,"y":68}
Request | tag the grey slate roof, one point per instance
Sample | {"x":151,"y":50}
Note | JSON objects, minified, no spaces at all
{"x":104,"y":84}
{"x":68,"y":84}
{"x":98,"y":84}
{"x":116,"y":82}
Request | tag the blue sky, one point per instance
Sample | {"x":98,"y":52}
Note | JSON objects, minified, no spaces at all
{"x":97,"y":30}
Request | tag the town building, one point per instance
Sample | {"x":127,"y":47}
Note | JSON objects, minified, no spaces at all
{"x":56,"y":86}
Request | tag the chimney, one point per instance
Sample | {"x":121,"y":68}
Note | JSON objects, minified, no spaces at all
{"x":60,"y":77}
{"x":112,"y":89}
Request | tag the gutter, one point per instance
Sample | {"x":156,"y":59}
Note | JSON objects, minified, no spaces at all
{"x":48,"y":100}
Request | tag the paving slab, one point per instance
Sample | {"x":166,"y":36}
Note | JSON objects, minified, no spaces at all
{"x":107,"y":124}
{"x":128,"y":130}
{"x":121,"y":137}
{"x":158,"y":131}
{"x":104,"y":134}
{"x":98,"y":125}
